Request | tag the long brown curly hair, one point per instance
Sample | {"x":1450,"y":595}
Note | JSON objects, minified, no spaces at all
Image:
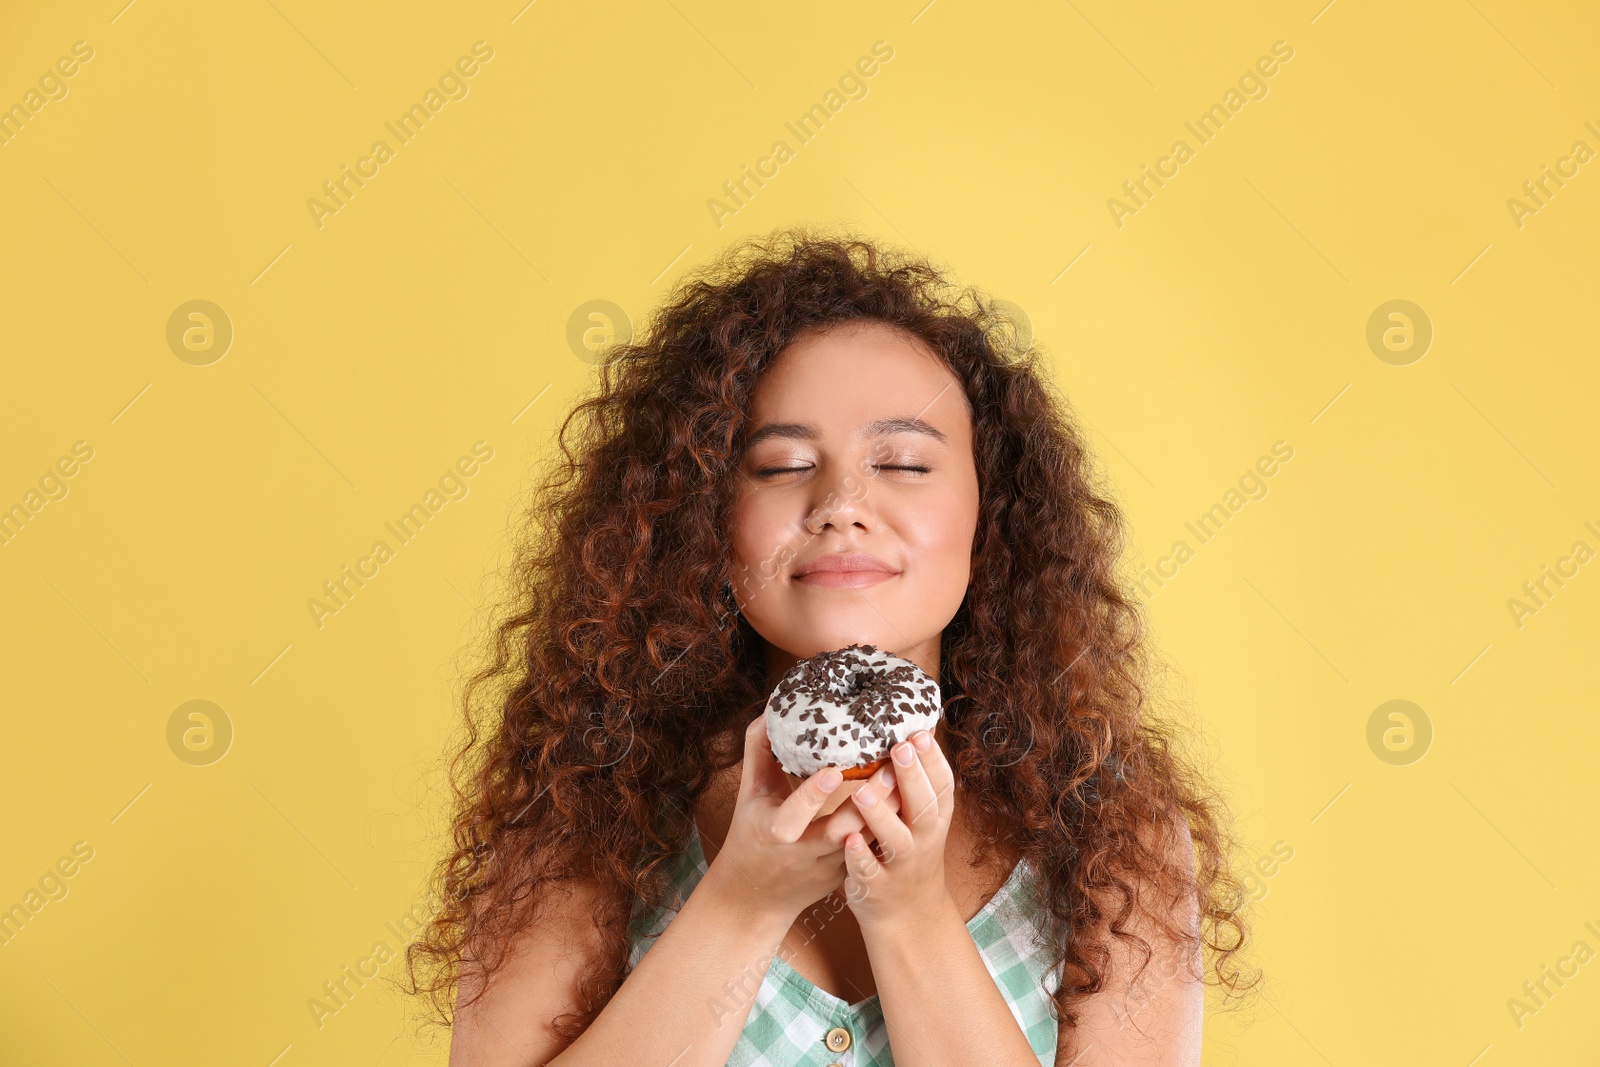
{"x":621,"y":680}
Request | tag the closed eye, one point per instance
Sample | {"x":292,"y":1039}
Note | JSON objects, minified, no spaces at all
{"x":766,"y":472}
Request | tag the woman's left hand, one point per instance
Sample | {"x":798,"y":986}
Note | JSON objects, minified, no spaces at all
{"x":908,"y":883}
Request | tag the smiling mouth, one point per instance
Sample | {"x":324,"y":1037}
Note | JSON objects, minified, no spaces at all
{"x":831,"y":579}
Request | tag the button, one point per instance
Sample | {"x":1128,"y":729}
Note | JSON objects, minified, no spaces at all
{"x":838,"y":1039}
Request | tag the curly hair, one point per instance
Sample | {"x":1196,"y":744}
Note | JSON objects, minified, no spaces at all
{"x":622,"y":675}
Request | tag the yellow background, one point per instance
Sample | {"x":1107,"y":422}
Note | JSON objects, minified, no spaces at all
{"x":1228,"y":313}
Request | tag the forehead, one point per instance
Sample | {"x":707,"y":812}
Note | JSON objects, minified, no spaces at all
{"x":848,"y":375}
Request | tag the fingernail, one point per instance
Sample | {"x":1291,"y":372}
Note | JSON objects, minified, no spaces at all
{"x":865,"y":797}
{"x":829,"y":780}
{"x":903,"y":755}
{"x":923,"y":740}
{"x":886,"y":779}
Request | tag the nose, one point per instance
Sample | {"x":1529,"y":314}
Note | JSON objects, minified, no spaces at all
{"x":838,"y":502}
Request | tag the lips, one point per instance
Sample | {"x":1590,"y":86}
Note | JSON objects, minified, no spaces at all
{"x":845,"y":571}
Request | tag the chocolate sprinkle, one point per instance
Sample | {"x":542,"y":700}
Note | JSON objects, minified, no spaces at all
{"x":878,"y":699}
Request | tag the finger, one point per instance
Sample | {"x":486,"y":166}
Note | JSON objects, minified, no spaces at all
{"x":830,"y":831}
{"x":760,"y":775}
{"x":940,"y":774}
{"x":888,"y":788}
{"x":921,"y":802}
{"x":893,"y":835}
{"x":861,"y":867}
{"x":893,"y":798}
{"x":882,"y":783}
{"x":795,"y":814}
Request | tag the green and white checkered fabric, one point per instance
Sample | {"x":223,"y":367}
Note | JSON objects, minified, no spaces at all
{"x":790,"y":1018}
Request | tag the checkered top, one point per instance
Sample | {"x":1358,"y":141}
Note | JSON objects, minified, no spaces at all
{"x":790,"y":1019}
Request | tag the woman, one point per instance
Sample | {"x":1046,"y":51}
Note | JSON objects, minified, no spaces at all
{"x":818,"y":444}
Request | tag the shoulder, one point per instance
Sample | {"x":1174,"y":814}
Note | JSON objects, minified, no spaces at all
{"x":534,"y":975}
{"x":1151,"y":1004}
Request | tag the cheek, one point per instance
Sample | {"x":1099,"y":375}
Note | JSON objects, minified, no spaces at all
{"x":758,"y":537}
{"x":941,"y":535}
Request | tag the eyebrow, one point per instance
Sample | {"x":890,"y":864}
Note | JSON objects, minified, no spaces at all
{"x":876,"y":428}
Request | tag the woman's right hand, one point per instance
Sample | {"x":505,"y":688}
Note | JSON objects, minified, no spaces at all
{"x":782,"y":857}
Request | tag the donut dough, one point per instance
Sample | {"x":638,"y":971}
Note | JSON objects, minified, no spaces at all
{"x":847,"y":708}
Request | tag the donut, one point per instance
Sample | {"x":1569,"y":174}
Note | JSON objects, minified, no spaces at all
{"x":847,"y":708}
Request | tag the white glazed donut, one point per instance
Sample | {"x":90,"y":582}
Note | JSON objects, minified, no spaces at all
{"x":847,"y":708}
